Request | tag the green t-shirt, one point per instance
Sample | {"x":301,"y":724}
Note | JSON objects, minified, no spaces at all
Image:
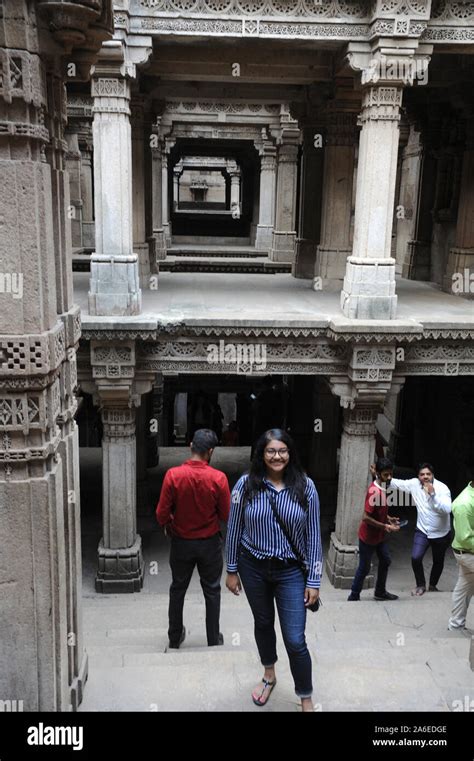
{"x":463,"y":512}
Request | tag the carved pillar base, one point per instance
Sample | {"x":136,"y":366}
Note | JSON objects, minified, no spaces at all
{"x":120,"y":570}
{"x":368,"y":291}
{"x":114,"y":285}
{"x":283,"y":246}
{"x":331,"y":268}
{"x":341,"y":565}
{"x":264,"y":237}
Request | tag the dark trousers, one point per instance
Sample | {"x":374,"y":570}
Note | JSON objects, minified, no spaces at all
{"x":438,"y":548}
{"x":185,"y":554}
{"x":365,"y":556}
{"x":266,"y":582}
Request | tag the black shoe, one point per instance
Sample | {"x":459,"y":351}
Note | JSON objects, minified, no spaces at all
{"x":220,"y":641}
{"x":386,"y":596}
{"x":353,"y":598}
{"x":176,"y":645}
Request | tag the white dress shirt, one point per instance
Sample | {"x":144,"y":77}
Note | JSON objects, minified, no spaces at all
{"x":433,"y":509}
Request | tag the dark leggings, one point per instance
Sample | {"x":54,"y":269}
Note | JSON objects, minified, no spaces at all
{"x":438,"y":548}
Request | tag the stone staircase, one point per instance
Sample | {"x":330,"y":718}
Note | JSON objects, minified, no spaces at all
{"x":367,"y":656}
{"x":211,"y":258}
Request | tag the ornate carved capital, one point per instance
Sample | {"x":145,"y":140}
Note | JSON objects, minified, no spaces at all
{"x":381,"y":103}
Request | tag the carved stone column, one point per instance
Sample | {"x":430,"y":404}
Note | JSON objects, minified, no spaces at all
{"x":309,"y":227}
{"x":79,"y":114}
{"x":336,"y":238}
{"x":114,"y":285}
{"x":370,"y":379}
{"x":284,"y":233}
{"x":357,"y":453}
{"x":120,"y":567}
{"x":73,"y":166}
{"x":87,"y":195}
{"x":266,"y":218}
{"x":119,"y":390}
{"x":157,"y":240}
{"x":140,"y":245}
{"x":235,"y":192}
{"x":42,"y":658}
{"x":165,"y":201}
{"x":369,"y":284}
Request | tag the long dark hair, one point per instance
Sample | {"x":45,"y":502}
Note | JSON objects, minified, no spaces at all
{"x":295,"y":477}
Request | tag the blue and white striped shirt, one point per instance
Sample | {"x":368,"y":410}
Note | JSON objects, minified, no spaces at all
{"x":256,"y":529}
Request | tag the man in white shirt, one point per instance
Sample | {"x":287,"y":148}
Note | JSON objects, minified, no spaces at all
{"x":433,"y":526}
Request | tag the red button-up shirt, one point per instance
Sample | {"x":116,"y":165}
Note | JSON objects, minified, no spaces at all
{"x":194,"y":498}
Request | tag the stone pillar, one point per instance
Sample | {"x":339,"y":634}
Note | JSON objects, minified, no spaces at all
{"x":459,"y":278}
{"x":176,"y":175}
{"x":114,"y":285}
{"x":369,"y":284}
{"x":140,"y":245}
{"x":309,"y":227}
{"x":234,"y":174}
{"x":284,"y":234}
{"x":407,"y":193}
{"x":112,"y":165}
{"x":42,"y":658}
{"x":417,"y":197}
{"x":88,"y":227}
{"x":120,"y":566}
{"x":73,"y":166}
{"x":336,"y":239}
{"x":157,"y":241}
{"x":266,"y":217}
{"x":357,"y":454}
{"x":255,"y":210}
{"x":165,"y":204}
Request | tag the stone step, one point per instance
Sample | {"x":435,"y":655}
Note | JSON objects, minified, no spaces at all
{"x":258,"y":265}
{"x":240,"y":252}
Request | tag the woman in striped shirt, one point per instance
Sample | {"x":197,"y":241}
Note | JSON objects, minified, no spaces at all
{"x":261,"y":556}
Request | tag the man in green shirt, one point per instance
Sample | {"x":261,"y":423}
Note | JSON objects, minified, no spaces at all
{"x":463,"y":546}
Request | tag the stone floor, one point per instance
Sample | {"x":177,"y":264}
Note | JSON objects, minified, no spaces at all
{"x":367,"y":656}
{"x":274,"y":299}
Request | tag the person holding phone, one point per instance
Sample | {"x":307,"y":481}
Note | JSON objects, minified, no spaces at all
{"x":374,"y":529}
{"x":433,"y":525}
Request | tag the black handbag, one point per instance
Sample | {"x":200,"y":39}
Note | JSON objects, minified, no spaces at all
{"x":315,"y":606}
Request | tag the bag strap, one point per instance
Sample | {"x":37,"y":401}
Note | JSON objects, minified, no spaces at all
{"x":284,"y":528}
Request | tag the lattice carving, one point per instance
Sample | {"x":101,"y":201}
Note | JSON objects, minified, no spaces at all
{"x":113,"y":361}
{"x":23,"y":412}
{"x":443,"y":10}
{"x":109,"y":86}
{"x":264,"y":8}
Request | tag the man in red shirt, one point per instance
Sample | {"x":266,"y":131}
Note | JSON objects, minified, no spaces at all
{"x":373,"y":530}
{"x":194,"y":498}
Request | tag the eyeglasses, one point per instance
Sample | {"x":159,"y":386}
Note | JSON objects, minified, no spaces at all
{"x":283,"y":452}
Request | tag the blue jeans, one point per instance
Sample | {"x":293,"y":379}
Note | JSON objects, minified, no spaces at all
{"x":365,"y":556}
{"x":267,"y":581}
{"x":438,"y":548}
